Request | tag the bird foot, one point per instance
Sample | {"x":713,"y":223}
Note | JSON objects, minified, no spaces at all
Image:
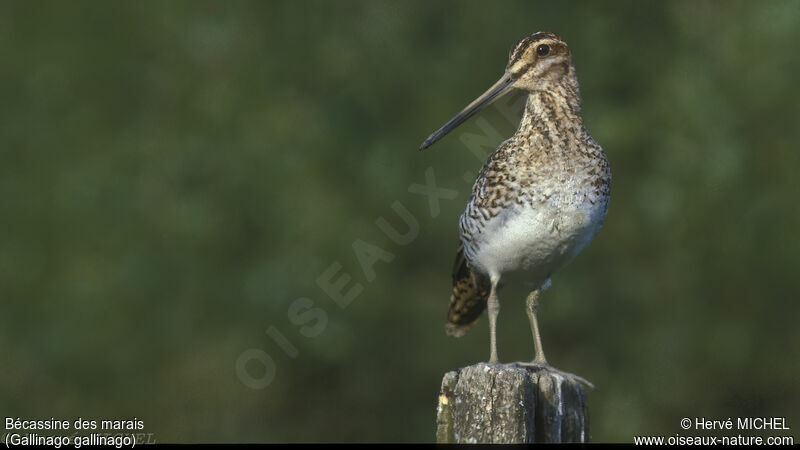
{"x":547,"y":367}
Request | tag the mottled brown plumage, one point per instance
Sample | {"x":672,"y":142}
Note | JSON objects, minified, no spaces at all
{"x":468,"y":300}
{"x":540,"y":197}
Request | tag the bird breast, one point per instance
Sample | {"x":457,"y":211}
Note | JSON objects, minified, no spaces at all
{"x":538,"y":234}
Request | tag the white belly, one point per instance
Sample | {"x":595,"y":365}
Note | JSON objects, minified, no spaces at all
{"x":537,"y":240}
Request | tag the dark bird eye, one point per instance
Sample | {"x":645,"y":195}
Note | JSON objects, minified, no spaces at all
{"x":543,"y":50}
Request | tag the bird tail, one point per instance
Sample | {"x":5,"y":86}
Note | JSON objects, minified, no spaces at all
{"x":469,"y":297}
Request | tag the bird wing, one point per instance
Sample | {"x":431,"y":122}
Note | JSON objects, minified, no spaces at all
{"x":469,"y":297}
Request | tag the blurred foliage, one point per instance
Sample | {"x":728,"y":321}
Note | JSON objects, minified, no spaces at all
{"x":175,"y":174}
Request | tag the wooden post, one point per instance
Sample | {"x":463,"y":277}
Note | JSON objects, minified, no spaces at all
{"x":507,"y":403}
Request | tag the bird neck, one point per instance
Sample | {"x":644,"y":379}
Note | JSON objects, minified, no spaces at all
{"x":554,"y":109}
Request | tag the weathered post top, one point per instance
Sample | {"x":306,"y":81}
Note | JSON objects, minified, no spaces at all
{"x":509,"y":403}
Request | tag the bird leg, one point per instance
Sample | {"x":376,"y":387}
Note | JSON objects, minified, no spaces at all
{"x":494,"y":309}
{"x":532,"y":303}
{"x":539,"y":361}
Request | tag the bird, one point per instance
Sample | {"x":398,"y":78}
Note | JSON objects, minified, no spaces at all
{"x":540,"y":198}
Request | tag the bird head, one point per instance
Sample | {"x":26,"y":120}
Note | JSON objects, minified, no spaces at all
{"x":536,"y":62}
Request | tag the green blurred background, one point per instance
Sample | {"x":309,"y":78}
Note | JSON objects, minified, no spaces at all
{"x":174,"y":175}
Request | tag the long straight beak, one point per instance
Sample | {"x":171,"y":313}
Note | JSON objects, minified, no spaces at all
{"x":502,"y":86}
